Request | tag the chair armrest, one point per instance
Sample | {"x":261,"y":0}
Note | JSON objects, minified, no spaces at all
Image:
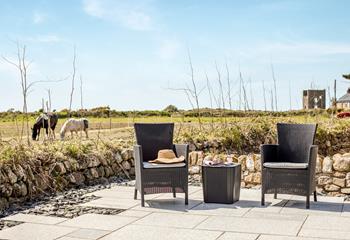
{"x":182,"y":150}
{"x":269,"y":153}
{"x":312,"y":157}
{"x":138,"y":157}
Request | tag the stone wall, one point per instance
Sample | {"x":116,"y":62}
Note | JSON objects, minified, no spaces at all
{"x":25,"y":180}
{"x":332,"y":172}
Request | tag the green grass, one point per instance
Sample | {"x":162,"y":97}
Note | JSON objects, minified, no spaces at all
{"x":10,"y":128}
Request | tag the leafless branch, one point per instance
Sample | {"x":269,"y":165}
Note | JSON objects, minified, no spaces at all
{"x":228,"y":87}
{"x":251,"y":93}
{"x":81,"y":93}
{"x":274,"y":85}
{"x":195,"y":94}
{"x":73,"y":80}
{"x":264,"y":94}
{"x":210,"y":92}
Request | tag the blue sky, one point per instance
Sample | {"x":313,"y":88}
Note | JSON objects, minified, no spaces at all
{"x":129,"y":53}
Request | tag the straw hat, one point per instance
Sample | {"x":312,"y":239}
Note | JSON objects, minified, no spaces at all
{"x":167,"y":156}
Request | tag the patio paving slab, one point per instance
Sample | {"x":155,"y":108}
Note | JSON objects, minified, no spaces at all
{"x":88,"y":234}
{"x":106,"y":202}
{"x":316,"y":208}
{"x":276,"y":216}
{"x":175,"y":205}
{"x":31,"y":218}
{"x":136,"y":232}
{"x":271,"y":237}
{"x":213,"y":209}
{"x":273,"y":205}
{"x":330,"y":223}
{"x":324,"y":234}
{"x":251,"y":225}
{"x":113,"y":193}
{"x":346,"y":210}
{"x":32,"y":231}
{"x":134,"y":213}
{"x":319,"y":199}
{"x":100,"y":222}
{"x":171,"y":220}
{"x":238,"y":236}
{"x":165,"y":217}
{"x":194,"y":189}
{"x":69,"y":238}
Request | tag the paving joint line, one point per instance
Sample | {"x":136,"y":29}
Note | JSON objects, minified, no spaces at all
{"x":302,"y":225}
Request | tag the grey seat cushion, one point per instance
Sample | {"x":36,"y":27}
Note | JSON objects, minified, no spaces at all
{"x":158,"y":165}
{"x":285,"y":165}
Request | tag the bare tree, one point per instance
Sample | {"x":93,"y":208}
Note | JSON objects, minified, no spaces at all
{"x":81,"y":93}
{"x":274,"y":85}
{"x":228,"y":87}
{"x":290,"y":96}
{"x":221,"y":91}
{"x":335,"y":95}
{"x":246,"y":104}
{"x":264,"y":94}
{"x":73,"y":80}
{"x":22,"y":66}
{"x":210,"y":92}
{"x":251,"y":93}
{"x":271,"y":95}
{"x":192,"y":93}
{"x":49,"y":102}
{"x":242,"y":88}
{"x":329,"y":95}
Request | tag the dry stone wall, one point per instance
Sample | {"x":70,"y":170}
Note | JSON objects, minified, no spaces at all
{"x":25,"y":180}
{"x":332,"y":172}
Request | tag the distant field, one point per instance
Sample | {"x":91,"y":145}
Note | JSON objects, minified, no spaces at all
{"x":120,"y":127}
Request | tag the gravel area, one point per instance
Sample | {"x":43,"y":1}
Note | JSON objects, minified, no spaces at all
{"x":65,"y":204}
{"x":7,"y":224}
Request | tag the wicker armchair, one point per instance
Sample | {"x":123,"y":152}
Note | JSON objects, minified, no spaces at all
{"x":289,"y":167}
{"x":162,"y":178}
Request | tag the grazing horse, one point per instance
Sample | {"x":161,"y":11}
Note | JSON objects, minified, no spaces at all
{"x":43,"y":122}
{"x":75,"y":125}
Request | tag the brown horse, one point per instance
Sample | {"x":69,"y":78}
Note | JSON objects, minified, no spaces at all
{"x":43,"y":122}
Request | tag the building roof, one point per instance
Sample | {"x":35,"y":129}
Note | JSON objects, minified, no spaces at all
{"x":345,"y":98}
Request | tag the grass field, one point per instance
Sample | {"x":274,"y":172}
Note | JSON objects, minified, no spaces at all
{"x":121,"y":127}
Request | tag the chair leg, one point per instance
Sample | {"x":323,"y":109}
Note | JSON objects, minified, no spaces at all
{"x":275,"y":194}
{"x":186,"y":197}
{"x":135,"y":194}
{"x":262,"y":197}
{"x":308,"y":201}
{"x":174,"y":193}
{"x":315,"y":196}
{"x":142,"y":198}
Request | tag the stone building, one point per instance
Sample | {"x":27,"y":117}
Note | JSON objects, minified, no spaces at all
{"x":313,"y":99}
{"x":344,"y":101}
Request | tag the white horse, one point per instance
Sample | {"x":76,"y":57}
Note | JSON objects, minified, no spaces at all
{"x":75,"y":125}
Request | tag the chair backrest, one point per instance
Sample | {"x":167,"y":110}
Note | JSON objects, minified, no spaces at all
{"x":294,"y":141}
{"x":154,"y":137}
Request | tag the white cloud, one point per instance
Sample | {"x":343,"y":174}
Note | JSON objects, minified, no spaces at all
{"x":38,"y":18}
{"x":129,"y":14}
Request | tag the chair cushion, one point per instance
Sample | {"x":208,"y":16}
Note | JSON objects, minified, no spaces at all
{"x":285,"y":165}
{"x":159,"y":165}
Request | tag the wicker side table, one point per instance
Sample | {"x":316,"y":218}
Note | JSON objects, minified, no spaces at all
{"x":222,"y":183}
